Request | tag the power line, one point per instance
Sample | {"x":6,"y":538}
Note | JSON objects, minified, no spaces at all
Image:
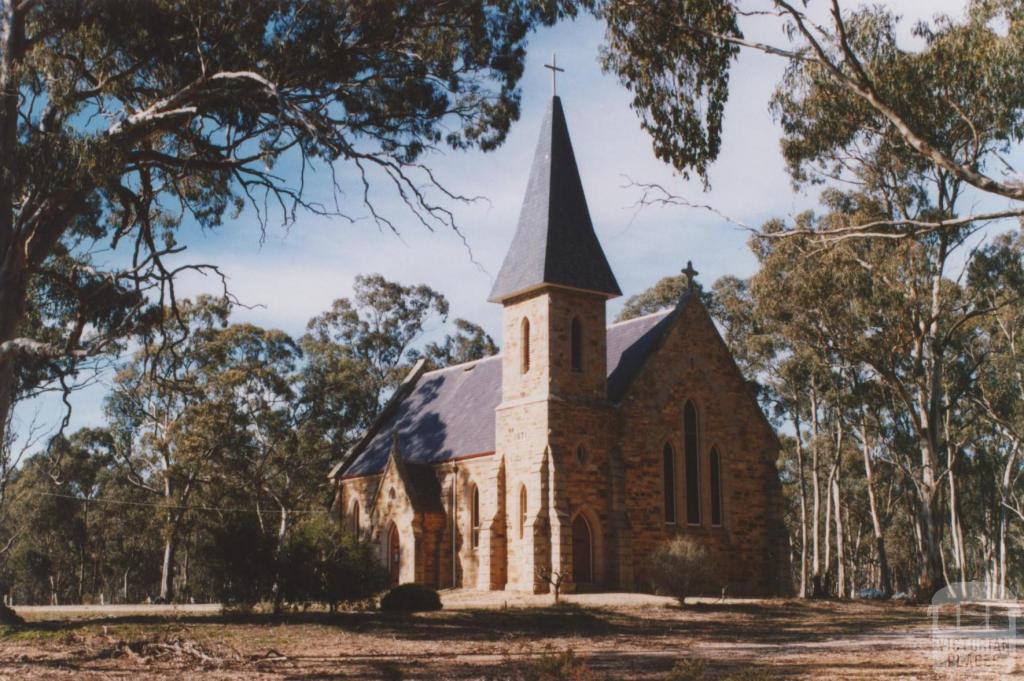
{"x":215,"y":509}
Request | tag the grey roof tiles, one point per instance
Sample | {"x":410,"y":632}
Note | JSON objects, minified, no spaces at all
{"x":554,"y":243}
{"x":449,"y":413}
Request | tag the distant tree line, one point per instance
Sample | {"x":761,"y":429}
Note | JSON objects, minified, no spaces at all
{"x":208,"y":479}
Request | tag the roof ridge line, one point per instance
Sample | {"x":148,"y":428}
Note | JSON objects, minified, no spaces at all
{"x":462,"y":364}
{"x":662,"y":311}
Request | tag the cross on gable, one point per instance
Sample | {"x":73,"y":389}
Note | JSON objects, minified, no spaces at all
{"x":554,"y":73}
{"x":691,"y":276}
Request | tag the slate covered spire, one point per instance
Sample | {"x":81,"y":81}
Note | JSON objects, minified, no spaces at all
{"x":554,"y":242}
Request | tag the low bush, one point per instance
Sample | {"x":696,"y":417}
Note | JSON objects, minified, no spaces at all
{"x":678,"y":567}
{"x":9,"y":618}
{"x":322,"y":563}
{"x":696,"y":669}
{"x":551,"y":665}
{"x":411,"y":598}
{"x":690,"y":669}
{"x":563,"y":666}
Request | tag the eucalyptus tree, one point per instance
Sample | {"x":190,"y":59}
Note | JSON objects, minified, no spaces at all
{"x":953,"y":108}
{"x":765,"y":356}
{"x":359,"y":350}
{"x":665,"y":293}
{"x":469,"y":342}
{"x":892,"y":310}
{"x":252,"y":374}
{"x":57,"y":493}
{"x":167,"y":434}
{"x":997,"y":277}
{"x":120,"y":119}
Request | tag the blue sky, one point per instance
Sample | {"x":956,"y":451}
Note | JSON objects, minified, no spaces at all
{"x":294,"y":275}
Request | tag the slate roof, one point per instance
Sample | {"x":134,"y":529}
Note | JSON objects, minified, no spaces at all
{"x":630,"y":344}
{"x":449,"y":413}
{"x":554,"y":241}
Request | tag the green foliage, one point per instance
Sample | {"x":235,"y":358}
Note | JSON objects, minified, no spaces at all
{"x":678,"y":567}
{"x":690,"y":669}
{"x":316,"y":563}
{"x":135,"y":117}
{"x":215,"y":451}
{"x":548,"y":666}
{"x":237,"y":560}
{"x":968,"y":78}
{"x":469,"y":342}
{"x":664,"y":294}
{"x":853,"y":101}
{"x":410,"y":598}
{"x":9,"y":618}
{"x":360,"y":350}
{"x":679,"y":76}
{"x":321,"y":563}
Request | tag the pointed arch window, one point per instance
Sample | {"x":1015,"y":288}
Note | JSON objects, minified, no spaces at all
{"x":715,"y":464}
{"x":668,"y":481}
{"x":576,"y":344}
{"x":525,"y":343}
{"x":354,"y":520}
{"x":522,"y":510}
{"x":691,"y":444}
{"x":474,"y":516}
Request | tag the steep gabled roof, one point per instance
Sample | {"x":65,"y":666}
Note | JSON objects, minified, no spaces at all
{"x":555,"y":243}
{"x":449,"y":413}
{"x":419,"y":482}
{"x":627,"y":352}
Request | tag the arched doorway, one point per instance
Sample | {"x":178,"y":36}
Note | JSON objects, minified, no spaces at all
{"x":582,"y":551}
{"x":394,"y":554}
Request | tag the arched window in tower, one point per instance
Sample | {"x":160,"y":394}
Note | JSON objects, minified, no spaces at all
{"x":715,"y":464}
{"x":576,"y":344}
{"x":522,"y":510}
{"x":474,"y":514}
{"x":354,"y":520}
{"x":668,"y":482}
{"x":525,"y":343}
{"x":691,"y":443}
{"x":474,"y":517}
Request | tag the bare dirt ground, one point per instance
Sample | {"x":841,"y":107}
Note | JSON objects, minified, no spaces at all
{"x":485,"y":635}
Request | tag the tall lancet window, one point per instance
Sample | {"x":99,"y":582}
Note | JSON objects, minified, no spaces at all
{"x":354,"y":520}
{"x":691,"y":444}
{"x":715,"y":464}
{"x":525,"y":342}
{"x":522,"y":510}
{"x":668,"y":483}
{"x":576,"y":344}
{"x":474,"y":517}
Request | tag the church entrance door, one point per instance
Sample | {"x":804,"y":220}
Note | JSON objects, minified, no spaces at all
{"x":582,"y":551}
{"x":394,"y":554}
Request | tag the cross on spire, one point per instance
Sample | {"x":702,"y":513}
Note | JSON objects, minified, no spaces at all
{"x":691,"y":276}
{"x":554,"y":73}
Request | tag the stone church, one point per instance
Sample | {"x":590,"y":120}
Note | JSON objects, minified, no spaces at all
{"x":580,"y":448}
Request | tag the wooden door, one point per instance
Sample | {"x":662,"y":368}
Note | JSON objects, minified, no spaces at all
{"x":582,"y":551}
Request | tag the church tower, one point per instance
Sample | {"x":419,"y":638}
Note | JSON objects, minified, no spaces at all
{"x":553,"y":286}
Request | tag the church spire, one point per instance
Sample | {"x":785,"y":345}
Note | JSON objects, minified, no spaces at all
{"x":554,"y":242}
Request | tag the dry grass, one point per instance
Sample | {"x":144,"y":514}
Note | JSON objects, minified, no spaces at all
{"x":479,"y":636}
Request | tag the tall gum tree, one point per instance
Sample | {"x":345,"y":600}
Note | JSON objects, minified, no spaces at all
{"x":119,"y":118}
{"x":953,"y":108}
